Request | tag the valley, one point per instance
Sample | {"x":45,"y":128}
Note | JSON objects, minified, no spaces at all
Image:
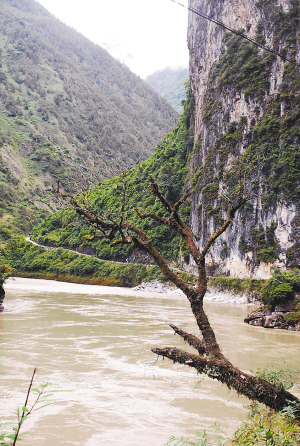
{"x":124,"y":192}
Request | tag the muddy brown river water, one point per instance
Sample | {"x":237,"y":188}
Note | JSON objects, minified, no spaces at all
{"x":96,"y":342}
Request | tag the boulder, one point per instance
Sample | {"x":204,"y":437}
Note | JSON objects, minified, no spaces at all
{"x":257,"y":317}
{"x":276,"y":320}
{"x":264,"y":317}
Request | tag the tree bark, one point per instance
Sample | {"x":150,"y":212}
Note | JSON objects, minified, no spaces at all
{"x":225,"y":372}
{"x":2,"y":295}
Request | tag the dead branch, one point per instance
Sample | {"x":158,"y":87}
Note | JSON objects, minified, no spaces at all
{"x":192,"y":340}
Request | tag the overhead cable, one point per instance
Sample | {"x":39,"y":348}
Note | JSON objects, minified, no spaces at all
{"x":234,"y":31}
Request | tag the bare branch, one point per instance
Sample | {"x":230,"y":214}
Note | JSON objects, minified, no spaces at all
{"x":192,"y":340}
{"x":182,"y":357}
{"x":159,"y":195}
{"x":179,"y":203}
{"x":124,"y":241}
{"x":151,"y":215}
{"x":210,"y":359}
{"x":223,"y":228}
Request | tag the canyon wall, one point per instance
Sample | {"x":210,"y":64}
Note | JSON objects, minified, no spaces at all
{"x":246,"y":118}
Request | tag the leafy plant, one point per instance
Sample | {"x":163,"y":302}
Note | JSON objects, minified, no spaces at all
{"x":204,"y":438}
{"x":268,"y":429}
{"x":293,"y":317}
{"x":284,"y":377}
{"x":22,"y":413}
{"x":39,"y":401}
{"x":235,"y":285}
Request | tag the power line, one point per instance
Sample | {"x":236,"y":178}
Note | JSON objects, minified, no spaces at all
{"x":234,"y":31}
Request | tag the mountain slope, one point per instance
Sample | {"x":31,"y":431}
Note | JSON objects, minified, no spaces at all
{"x":68,"y":112}
{"x":168,"y":166}
{"x":170,"y":84}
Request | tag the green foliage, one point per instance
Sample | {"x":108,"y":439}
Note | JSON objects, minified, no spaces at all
{"x":280,"y":287}
{"x":268,"y":429}
{"x":242,"y":66}
{"x":169,"y":83}
{"x":5,"y":267}
{"x":22,"y":413}
{"x":207,"y":437}
{"x":262,"y":242}
{"x":34,"y":261}
{"x":5,"y":271}
{"x":210,"y":192}
{"x":68,"y":112}
{"x":168,"y":166}
{"x":293,"y":318}
{"x":236,"y":286}
{"x":283,"y":377}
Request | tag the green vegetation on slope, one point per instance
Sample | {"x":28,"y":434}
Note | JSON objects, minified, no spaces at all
{"x":169,"y":167}
{"x":29,"y":260}
{"x":59,"y":264}
{"x":169,"y":83}
{"x":68,"y":112}
{"x":236,"y":286}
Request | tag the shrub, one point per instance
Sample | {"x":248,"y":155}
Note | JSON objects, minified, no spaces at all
{"x":280,"y":287}
{"x":268,"y":429}
{"x":282,"y":377}
{"x":293,"y":318}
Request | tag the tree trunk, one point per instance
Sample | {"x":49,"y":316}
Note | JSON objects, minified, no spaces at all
{"x":211,"y":361}
{"x":2,"y":295}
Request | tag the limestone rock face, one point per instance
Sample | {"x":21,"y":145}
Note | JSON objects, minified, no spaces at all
{"x":230,"y":110}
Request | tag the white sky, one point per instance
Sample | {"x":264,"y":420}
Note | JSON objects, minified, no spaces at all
{"x":147,"y":35}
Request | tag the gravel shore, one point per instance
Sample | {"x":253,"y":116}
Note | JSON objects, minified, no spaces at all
{"x":212,"y":295}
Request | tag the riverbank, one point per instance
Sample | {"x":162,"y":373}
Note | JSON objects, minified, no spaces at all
{"x":214,"y":294}
{"x":33,"y":261}
{"x":152,"y":288}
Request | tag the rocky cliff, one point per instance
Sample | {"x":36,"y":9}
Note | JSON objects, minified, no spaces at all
{"x":246,"y":117}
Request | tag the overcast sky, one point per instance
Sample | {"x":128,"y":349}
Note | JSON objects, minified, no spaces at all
{"x":147,"y":35}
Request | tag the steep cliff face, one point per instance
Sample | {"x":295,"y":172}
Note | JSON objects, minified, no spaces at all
{"x":246,"y":115}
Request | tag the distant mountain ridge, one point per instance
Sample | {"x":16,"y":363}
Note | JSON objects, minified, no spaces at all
{"x":170,"y":84}
{"x":68,"y":112}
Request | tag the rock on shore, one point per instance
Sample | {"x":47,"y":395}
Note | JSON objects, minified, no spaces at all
{"x":263,"y":317}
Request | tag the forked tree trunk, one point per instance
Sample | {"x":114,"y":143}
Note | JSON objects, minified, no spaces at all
{"x":209,"y":358}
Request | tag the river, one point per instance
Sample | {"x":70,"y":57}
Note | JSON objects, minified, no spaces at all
{"x":96,"y":342}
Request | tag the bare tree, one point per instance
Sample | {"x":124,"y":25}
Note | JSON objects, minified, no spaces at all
{"x":209,"y":358}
